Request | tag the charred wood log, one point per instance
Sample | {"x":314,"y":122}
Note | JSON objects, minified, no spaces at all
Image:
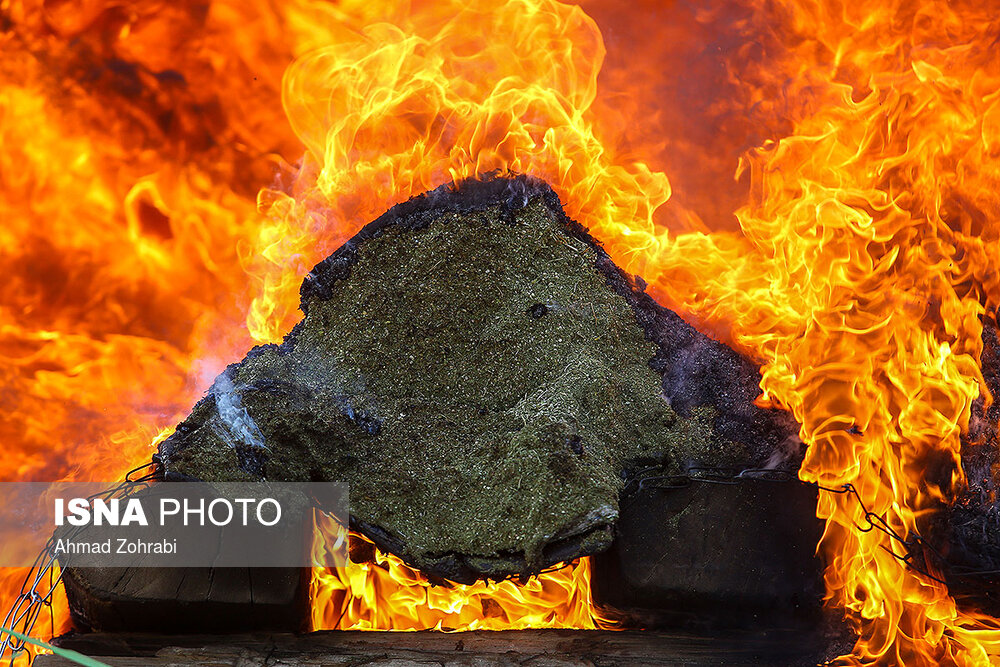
{"x":714,"y":555}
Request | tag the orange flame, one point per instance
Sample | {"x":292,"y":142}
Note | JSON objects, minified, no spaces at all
{"x":377,"y":591}
{"x":137,"y":238}
{"x":388,"y":595}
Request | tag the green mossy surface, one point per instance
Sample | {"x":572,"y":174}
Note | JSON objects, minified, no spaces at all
{"x":476,"y":382}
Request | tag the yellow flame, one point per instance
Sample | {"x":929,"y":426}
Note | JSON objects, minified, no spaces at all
{"x":382,"y":593}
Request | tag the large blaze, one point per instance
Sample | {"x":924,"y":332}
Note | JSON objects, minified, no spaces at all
{"x":835,"y":217}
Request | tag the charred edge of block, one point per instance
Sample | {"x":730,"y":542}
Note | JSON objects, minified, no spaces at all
{"x":468,"y":569}
{"x":512,"y":192}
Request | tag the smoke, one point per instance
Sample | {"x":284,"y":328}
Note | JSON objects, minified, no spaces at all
{"x":240,"y":428}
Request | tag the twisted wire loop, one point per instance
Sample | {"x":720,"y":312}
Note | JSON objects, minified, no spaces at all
{"x":35,"y":595}
{"x":915,"y":547}
{"x":706,"y":475}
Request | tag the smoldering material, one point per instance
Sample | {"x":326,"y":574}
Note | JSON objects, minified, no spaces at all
{"x":483,"y":375}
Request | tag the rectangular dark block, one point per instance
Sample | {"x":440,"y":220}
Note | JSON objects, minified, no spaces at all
{"x":176,"y":600}
{"x":707,"y":554}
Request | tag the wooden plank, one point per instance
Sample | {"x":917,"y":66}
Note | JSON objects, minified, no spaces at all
{"x":537,"y":648}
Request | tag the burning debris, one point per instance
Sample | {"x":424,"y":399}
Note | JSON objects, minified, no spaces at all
{"x":964,"y":543}
{"x":486,"y":379}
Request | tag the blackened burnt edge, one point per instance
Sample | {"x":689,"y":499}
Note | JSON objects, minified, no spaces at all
{"x":459,"y":568}
{"x":696,"y":370}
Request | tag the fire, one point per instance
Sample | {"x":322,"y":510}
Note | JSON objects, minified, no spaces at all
{"x":157,"y":222}
{"x":388,"y":595}
{"x":377,"y":591}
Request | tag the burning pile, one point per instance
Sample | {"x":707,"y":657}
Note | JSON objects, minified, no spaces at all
{"x":853,"y":256}
{"x":483,"y":375}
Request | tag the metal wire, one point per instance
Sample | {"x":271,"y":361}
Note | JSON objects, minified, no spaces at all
{"x":35,"y":595}
{"x":915,"y":547}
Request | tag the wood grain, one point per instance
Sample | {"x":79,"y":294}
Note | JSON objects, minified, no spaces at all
{"x":537,"y":648}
